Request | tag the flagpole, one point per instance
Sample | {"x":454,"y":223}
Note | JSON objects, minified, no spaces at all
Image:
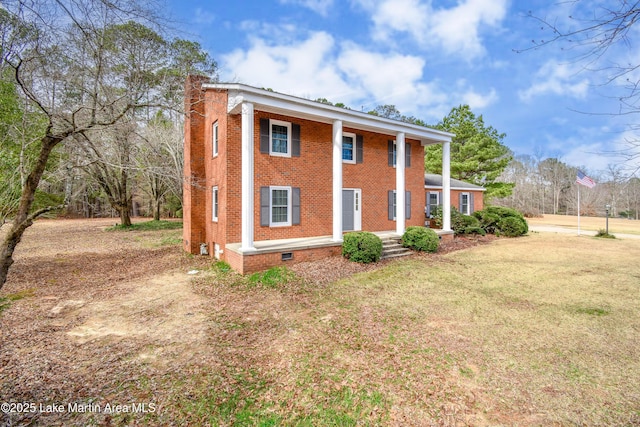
{"x":578,"y":208}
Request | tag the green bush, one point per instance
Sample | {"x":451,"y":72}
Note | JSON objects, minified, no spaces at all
{"x":491,"y":220}
{"x":512,"y":226}
{"x":474,"y":230}
{"x":488,"y":221}
{"x":362,"y":246}
{"x":502,"y":221}
{"x":420,"y":239}
{"x":603,"y":233}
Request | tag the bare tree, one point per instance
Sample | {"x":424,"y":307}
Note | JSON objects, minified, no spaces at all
{"x":601,"y":37}
{"x":63,"y":69}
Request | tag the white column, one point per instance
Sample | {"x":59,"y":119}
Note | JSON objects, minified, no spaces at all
{"x":247,"y":177}
{"x":337,"y":180}
{"x":446,"y":186}
{"x":400,"y":185}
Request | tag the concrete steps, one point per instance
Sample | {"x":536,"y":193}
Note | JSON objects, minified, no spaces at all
{"x":392,"y":248}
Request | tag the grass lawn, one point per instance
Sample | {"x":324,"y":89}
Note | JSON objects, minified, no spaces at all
{"x":616,"y":225}
{"x":539,"y":330}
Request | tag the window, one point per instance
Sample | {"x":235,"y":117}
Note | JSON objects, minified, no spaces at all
{"x":392,"y":153}
{"x":464,"y":204}
{"x":280,"y":206}
{"x":349,"y":148}
{"x":392,"y":205}
{"x":214,"y":142}
{"x":214,"y":204}
{"x":395,"y":155}
{"x":432,"y":203}
{"x":395,"y":204}
{"x":280,"y":138}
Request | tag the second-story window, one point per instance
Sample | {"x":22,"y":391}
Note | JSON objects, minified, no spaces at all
{"x":348,"y":147}
{"x":280,"y":138}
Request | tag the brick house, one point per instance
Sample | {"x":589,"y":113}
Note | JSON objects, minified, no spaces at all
{"x":272,"y":178}
{"x":467,"y":198}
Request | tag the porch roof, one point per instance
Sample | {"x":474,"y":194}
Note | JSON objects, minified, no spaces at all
{"x":269,"y":101}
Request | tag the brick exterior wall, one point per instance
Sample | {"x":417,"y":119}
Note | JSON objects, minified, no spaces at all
{"x":194,"y":185}
{"x":251,"y":263}
{"x":311,"y":172}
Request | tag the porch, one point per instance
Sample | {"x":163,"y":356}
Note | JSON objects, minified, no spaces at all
{"x":269,"y":253}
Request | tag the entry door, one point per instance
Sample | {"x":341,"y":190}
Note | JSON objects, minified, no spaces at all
{"x":351,"y":209}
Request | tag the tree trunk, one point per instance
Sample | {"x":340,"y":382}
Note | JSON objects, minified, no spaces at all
{"x":156,"y":210}
{"x":125,"y":218}
{"x":23,"y":220}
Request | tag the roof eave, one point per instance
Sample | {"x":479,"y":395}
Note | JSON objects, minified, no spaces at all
{"x":275,"y":102}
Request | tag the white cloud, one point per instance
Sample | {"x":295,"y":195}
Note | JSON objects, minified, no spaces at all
{"x":477,"y":100}
{"x":320,"y":7}
{"x":556,"y":78}
{"x":300,"y":68}
{"x":388,"y":78}
{"x":202,"y":16}
{"x":456,"y":30}
{"x":317,"y":67}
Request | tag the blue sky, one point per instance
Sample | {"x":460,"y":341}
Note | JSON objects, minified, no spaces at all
{"x":426,"y":57}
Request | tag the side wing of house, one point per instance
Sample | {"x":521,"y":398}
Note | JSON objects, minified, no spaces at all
{"x":465,"y":197}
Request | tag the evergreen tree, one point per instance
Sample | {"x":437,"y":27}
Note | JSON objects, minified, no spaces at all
{"x":478,"y":155}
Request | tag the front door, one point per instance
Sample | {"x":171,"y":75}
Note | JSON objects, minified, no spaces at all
{"x":351,"y":209}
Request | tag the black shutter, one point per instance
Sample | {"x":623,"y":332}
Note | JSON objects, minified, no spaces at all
{"x":264,"y":136}
{"x":390,"y":152}
{"x":359,"y":149}
{"x":407,"y":204}
{"x":470,"y":203}
{"x":295,"y":140}
{"x":460,"y":202}
{"x":264,"y":206}
{"x":295,"y":206}
{"x":390,"y":204}
{"x":407,"y":155}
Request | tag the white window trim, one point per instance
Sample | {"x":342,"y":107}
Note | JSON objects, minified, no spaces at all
{"x":354,"y":149}
{"x":468,"y":204}
{"x":215,"y":203}
{"x":215,"y":140}
{"x":289,"y":210}
{"x":437,"y":194}
{"x":289,"y":139}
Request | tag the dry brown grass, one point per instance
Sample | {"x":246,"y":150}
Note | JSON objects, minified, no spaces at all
{"x":616,"y":225}
{"x":540,"y":330}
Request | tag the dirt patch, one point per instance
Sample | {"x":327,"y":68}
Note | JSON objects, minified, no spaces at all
{"x":107,"y":308}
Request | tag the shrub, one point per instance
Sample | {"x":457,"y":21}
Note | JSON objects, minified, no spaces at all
{"x":512,"y":226}
{"x":488,"y":220}
{"x":475,"y":230}
{"x":603,"y":233}
{"x":502,"y":221}
{"x":362,"y":246}
{"x":420,"y":239}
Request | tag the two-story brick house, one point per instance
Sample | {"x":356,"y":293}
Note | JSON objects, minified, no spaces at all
{"x":272,"y":178}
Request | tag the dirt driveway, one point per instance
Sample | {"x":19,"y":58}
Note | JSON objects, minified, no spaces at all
{"x":101,"y":309}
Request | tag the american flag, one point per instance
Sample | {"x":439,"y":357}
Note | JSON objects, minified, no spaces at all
{"x":583,"y":179}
